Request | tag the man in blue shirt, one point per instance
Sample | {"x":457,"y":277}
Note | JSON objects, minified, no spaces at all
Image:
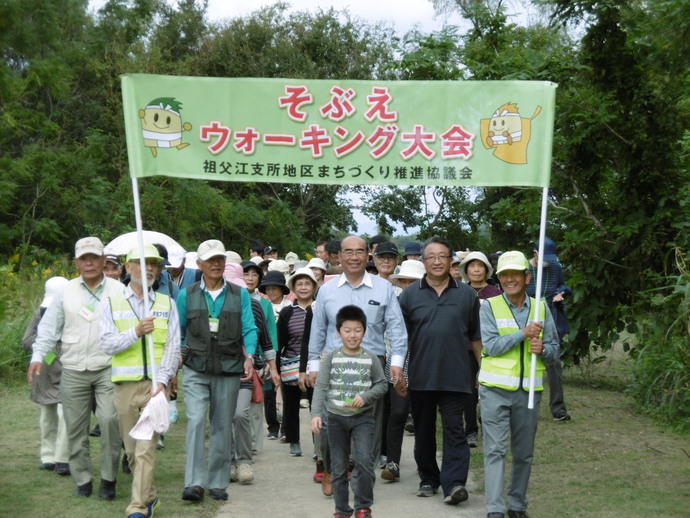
{"x":216,"y":319}
{"x":376,"y":297}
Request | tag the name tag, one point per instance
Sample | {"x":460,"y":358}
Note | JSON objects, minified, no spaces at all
{"x":87,"y":313}
{"x":213,"y":324}
{"x":159,"y":313}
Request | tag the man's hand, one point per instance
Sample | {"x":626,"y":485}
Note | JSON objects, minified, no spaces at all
{"x":312,"y":378}
{"x":145,"y":326}
{"x":532,"y":330}
{"x":399,"y":383}
{"x":536,"y":346}
{"x":34,"y":369}
{"x":558,"y":297}
{"x":173,"y":386}
{"x":160,"y":388}
{"x":316,"y":424}
{"x":248,"y":369}
{"x":303,"y":381}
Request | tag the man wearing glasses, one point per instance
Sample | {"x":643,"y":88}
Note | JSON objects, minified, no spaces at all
{"x":442,"y":316}
{"x":377,"y":299}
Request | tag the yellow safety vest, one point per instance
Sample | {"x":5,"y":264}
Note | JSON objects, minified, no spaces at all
{"x":132,"y":363}
{"x":511,"y":370}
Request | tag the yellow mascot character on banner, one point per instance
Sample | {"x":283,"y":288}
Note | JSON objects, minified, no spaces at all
{"x":508,"y":133}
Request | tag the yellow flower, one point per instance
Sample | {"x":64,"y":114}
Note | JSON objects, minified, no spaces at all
{"x":34,"y":263}
{"x":47,"y":271}
{"x":14,"y":258}
{"x":10,"y":274}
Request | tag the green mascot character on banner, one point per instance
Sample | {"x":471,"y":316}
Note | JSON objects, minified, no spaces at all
{"x":161,"y":124}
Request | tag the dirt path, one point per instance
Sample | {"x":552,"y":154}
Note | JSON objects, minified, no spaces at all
{"x":283,"y":487}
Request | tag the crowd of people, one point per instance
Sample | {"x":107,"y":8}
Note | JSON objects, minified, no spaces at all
{"x":374,"y":341}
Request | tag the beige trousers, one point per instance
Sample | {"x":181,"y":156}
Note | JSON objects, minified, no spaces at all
{"x":130,"y":399}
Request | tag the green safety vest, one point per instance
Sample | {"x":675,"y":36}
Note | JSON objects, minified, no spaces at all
{"x":132,"y":363}
{"x":511,"y":370}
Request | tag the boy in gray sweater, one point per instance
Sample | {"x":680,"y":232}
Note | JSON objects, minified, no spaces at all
{"x":350,"y":381}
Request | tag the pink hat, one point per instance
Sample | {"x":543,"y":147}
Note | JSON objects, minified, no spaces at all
{"x":233,"y":273}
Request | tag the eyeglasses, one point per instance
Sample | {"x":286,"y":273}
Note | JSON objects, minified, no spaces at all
{"x":358,"y":252}
{"x":435,"y":258}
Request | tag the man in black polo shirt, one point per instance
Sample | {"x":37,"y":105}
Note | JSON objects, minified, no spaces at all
{"x":441,"y":315}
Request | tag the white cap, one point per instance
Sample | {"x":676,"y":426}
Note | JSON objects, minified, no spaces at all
{"x":302,"y":272}
{"x":176,"y":256}
{"x":257,"y":259}
{"x":54,"y":287}
{"x":88,"y":245}
{"x":279,"y":265}
{"x":410,"y":269}
{"x":233,"y":257}
{"x":210,"y":248}
{"x":317,"y":262}
{"x":291,"y":257}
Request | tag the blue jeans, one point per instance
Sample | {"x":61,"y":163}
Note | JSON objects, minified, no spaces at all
{"x":358,"y":431}
{"x":456,"y":451}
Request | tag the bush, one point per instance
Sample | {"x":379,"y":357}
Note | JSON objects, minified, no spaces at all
{"x":21,"y":292}
{"x":661,"y":373}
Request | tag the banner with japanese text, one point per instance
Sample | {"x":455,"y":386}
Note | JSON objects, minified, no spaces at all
{"x":445,"y":133}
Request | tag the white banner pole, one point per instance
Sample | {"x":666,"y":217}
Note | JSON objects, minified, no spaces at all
{"x":144,"y":280}
{"x":537,"y":290}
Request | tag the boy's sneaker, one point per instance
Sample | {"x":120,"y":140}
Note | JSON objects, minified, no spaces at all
{"x":472,"y":440}
{"x":427,"y":490}
{"x":318,"y":474}
{"x":391,"y":472}
{"x":295,"y":450}
{"x":246,"y":473}
{"x":458,"y":494}
{"x":363,"y":513}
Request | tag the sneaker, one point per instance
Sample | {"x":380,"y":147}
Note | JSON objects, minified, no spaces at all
{"x":318,"y":474}
{"x":457,"y":494}
{"x":282,"y":438}
{"x":246,"y":473}
{"x":272,"y":436}
{"x":383,"y":460}
{"x":391,"y":472}
{"x":218,"y":494}
{"x":234,"y":475}
{"x":472,"y":440}
{"x":295,"y":450}
{"x":427,"y":490}
{"x":159,"y":444}
{"x":326,"y":485}
{"x":563,"y":417}
{"x":304,"y":403}
{"x":409,"y":425}
{"x":363,"y":513}
{"x":174,"y":417}
{"x":62,"y":469}
{"x":152,"y":506}
{"x":193,"y":494}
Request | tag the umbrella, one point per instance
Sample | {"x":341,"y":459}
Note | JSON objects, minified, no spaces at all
{"x":121,"y":245}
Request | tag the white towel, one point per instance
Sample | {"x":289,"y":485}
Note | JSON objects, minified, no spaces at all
{"x":154,"y":418}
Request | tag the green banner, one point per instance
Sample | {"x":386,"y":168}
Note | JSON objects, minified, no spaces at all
{"x":452,"y":133}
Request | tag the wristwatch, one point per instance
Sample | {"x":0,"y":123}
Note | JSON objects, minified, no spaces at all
{"x":250,"y":357}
